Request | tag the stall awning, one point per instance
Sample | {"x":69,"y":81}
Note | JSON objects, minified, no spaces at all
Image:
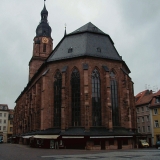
{"x":102,"y":137}
{"x":26,"y":136}
{"x":46,"y":136}
{"x":72,"y":136}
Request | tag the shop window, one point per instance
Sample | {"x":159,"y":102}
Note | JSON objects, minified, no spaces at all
{"x":75,"y":91}
{"x":96,"y":98}
{"x":114,"y":100}
{"x":125,"y":141}
{"x":111,"y":142}
{"x":96,"y":142}
{"x":57,"y":99}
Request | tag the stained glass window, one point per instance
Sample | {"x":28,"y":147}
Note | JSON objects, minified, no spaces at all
{"x":57,"y":99}
{"x":75,"y":89}
{"x":96,"y":99}
{"x":114,"y":100}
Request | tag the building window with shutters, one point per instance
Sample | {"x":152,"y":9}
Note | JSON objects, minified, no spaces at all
{"x":96,"y":98}
{"x":156,"y":124}
{"x":75,"y":94}
{"x":155,"y":110}
{"x":57,"y":99}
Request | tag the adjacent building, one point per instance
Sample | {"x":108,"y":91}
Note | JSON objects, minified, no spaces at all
{"x":79,"y":95}
{"x":148,"y":115}
{"x":4,"y":121}
{"x":143,"y":100}
{"x":10,"y":124}
{"x":155,"y":116}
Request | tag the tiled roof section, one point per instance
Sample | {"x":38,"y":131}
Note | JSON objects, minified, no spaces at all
{"x":85,"y":43}
{"x":143,"y":97}
{"x":3,"y":107}
{"x":89,"y":27}
{"x":153,"y":103}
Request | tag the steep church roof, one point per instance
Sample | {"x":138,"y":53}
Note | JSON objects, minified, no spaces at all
{"x":88,"y":40}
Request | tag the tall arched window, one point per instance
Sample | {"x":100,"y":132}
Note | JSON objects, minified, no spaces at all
{"x":57,"y":99}
{"x":114,"y":100}
{"x":75,"y":89}
{"x":96,"y":98}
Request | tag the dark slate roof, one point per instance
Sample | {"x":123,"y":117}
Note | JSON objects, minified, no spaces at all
{"x":43,"y":29}
{"x":88,"y":27}
{"x":85,"y":41}
{"x":97,"y":131}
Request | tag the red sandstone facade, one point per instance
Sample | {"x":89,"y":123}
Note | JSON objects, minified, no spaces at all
{"x":34,"y":109}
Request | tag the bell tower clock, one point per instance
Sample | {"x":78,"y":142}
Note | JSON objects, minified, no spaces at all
{"x":43,"y":44}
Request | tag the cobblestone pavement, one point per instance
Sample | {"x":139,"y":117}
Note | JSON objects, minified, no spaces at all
{"x":23,"y":152}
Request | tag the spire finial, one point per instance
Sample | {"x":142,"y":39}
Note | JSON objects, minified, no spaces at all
{"x":65,"y":30}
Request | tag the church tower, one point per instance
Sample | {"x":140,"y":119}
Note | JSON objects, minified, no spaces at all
{"x":43,"y":44}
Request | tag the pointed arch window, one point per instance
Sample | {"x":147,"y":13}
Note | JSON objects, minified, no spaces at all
{"x":57,"y":99}
{"x":75,"y":89}
{"x":114,"y":99}
{"x":96,"y":99}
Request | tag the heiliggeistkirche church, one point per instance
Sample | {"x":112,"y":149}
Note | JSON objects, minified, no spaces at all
{"x":79,"y":95}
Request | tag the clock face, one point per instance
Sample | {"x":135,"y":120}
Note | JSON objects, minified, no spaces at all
{"x":44,"y":40}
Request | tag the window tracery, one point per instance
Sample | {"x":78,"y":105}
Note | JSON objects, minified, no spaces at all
{"x":75,"y":90}
{"x":57,"y":99}
{"x":96,"y":98}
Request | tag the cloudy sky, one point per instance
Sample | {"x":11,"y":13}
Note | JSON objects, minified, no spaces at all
{"x":133,"y":25}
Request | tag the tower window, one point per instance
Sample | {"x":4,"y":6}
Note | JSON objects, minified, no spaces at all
{"x":44,"y":47}
{"x":70,"y":50}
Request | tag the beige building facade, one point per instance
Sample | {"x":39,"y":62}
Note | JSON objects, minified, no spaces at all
{"x":3,"y":121}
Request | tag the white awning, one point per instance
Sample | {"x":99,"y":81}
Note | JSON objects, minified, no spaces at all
{"x":72,"y":136}
{"x":123,"y":136}
{"x":102,"y":137}
{"x":46,"y":136}
{"x":26,"y":136}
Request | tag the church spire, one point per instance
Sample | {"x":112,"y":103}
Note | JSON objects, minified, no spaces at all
{"x":43,"y":28}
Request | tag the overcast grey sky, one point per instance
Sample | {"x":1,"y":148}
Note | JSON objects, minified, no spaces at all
{"x":133,"y":25}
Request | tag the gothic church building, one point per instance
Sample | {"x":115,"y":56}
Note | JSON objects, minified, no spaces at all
{"x":79,"y":95}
